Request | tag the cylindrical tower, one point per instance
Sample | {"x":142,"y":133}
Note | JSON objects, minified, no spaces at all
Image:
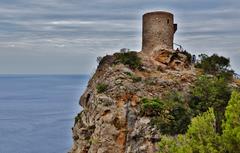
{"x":158,"y":31}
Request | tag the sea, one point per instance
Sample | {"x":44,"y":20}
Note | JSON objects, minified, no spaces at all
{"x":37,"y":112}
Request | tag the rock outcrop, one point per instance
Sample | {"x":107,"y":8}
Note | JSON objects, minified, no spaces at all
{"x":111,"y":120}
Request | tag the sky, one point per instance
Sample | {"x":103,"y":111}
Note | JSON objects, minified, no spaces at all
{"x":66,"y":36}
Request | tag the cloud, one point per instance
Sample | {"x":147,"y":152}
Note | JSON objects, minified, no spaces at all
{"x":92,"y":28}
{"x":71,"y":22}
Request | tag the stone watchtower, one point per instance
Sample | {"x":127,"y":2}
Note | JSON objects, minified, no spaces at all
{"x":158,"y":31}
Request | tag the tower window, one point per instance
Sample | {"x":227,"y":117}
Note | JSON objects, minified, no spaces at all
{"x":168,"y":21}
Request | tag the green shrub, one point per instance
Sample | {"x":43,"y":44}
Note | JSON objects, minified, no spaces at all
{"x":226,"y":75}
{"x":151,"y":107}
{"x":101,"y":87}
{"x":177,"y":111}
{"x":210,"y":92}
{"x":170,"y":114}
{"x":177,"y":115}
{"x":200,"y":137}
{"x":130,"y":59}
{"x":215,"y":65}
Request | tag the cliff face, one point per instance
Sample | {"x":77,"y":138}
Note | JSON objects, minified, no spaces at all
{"x":111,"y":120}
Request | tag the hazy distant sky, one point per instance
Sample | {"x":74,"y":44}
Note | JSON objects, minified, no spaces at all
{"x":66,"y":36}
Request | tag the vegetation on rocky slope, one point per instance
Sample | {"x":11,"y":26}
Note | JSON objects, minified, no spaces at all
{"x":215,"y":65}
{"x":215,"y":117}
{"x":171,"y":115}
{"x":130,"y":59}
{"x":140,"y":103}
{"x":201,"y":136}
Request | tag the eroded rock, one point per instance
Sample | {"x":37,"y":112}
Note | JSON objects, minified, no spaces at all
{"x":111,"y":121}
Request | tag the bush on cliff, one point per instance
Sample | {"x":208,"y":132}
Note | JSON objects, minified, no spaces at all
{"x":151,"y":107}
{"x":215,"y":65}
{"x":130,"y":59}
{"x":175,"y":112}
{"x":200,"y":137}
{"x":210,"y":92}
{"x":170,"y":114}
{"x":101,"y":87}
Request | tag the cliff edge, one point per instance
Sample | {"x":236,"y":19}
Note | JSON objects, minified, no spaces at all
{"x":112,"y":119}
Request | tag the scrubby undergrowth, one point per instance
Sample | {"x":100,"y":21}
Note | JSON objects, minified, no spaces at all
{"x":201,"y":136}
{"x":138,"y":103}
{"x":214,"y":113}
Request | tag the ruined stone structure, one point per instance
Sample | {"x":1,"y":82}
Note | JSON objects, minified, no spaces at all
{"x":158,"y":31}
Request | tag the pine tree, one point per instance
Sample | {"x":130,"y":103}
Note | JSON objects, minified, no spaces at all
{"x":201,"y":137}
{"x":231,"y":132}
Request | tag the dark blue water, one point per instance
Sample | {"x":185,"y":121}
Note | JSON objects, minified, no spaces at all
{"x":37,"y":112}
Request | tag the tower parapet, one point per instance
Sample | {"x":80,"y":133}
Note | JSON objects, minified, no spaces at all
{"x":158,"y":31}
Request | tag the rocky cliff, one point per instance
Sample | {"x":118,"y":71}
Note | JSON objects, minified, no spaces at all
{"x":112,"y":120}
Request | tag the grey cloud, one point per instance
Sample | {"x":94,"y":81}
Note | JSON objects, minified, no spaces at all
{"x":97,"y":27}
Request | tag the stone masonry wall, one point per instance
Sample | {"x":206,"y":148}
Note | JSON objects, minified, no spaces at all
{"x":158,"y":31}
